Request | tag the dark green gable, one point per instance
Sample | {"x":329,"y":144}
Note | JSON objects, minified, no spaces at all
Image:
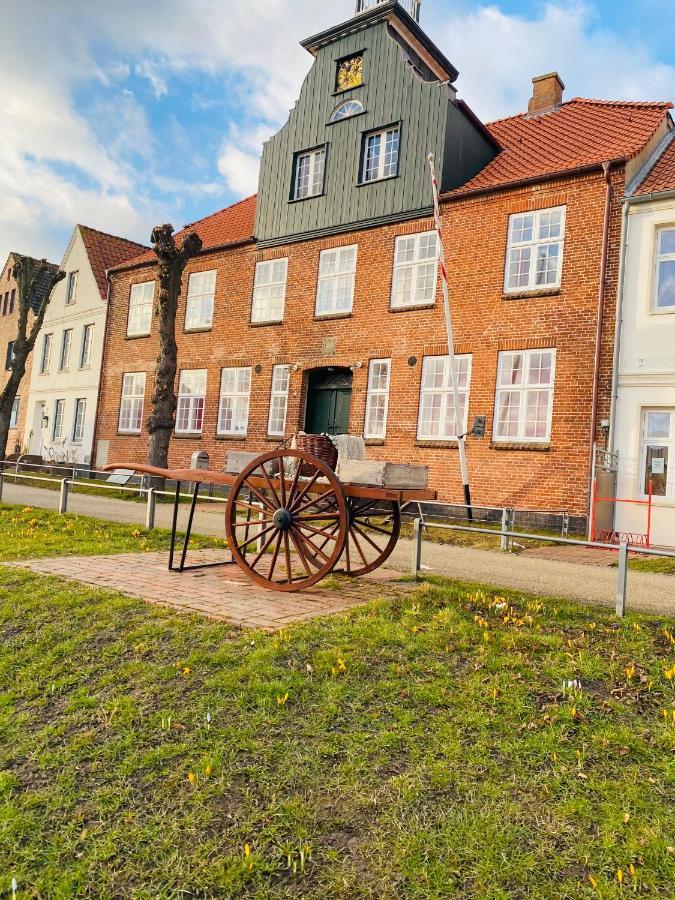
{"x":406,"y":81}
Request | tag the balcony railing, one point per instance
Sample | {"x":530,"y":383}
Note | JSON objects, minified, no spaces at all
{"x":412,"y":7}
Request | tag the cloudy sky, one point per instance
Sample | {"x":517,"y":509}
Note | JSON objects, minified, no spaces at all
{"x":121,"y":115}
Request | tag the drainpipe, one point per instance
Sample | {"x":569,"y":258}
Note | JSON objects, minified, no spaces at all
{"x":625,"y":220}
{"x":100,"y":371}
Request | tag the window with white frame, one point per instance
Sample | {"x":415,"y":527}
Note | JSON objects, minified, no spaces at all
{"x":437,"y":415}
{"x":14,"y":415}
{"x":235,"y":392}
{"x":377,"y":398}
{"x":45,"y":359}
{"x":66,"y":345}
{"x":664,"y":296}
{"x":415,"y":270}
{"x":310,"y":169}
{"x":276,"y":425}
{"x":132,"y":402}
{"x":199,"y":304}
{"x":524,"y":401}
{"x":380,"y":154}
{"x":658,"y":452}
{"x":85,"y":351}
{"x":535,"y":250}
{"x":78,"y":421}
{"x":269,"y":291}
{"x":71,"y":289}
{"x":346,"y":110}
{"x":57,"y":425}
{"x":191,"y":400}
{"x":140,"y":309}
{"x":335,"y":287}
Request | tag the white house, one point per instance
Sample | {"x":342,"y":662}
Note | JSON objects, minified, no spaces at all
{"x":66,"y":367}
{"x":643,"y":430}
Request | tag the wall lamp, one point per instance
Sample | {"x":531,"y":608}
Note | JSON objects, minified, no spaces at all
{"x":356,"y":365}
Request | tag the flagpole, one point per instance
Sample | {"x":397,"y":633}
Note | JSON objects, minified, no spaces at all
{"x":454,"y":374}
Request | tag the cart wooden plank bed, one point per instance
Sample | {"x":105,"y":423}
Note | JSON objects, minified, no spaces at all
{"x":290,"y":521}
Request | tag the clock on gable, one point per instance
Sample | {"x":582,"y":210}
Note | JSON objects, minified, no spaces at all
{"x":349,"y":73}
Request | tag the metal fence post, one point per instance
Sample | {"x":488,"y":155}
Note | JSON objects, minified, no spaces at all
{"x":505,"y":527}
{"x":63,"y":498}
{"x":416,"y":563}
{"x":622,"y":585}
{"x":150,"y":510}
{"x":2,"y":482}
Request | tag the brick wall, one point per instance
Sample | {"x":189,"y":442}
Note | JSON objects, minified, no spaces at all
{"x":8,"y":328}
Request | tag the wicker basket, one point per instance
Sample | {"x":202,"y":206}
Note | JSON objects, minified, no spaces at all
{"x":319,"y":445}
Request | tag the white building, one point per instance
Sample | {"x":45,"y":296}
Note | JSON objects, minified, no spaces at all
{"x":66,"y":364}
{"x":643,"y":432}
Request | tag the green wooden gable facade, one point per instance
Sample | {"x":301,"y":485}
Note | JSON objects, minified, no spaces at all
{"x":406,"y":87}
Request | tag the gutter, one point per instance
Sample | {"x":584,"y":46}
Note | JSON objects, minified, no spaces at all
{"x":232,"y":245}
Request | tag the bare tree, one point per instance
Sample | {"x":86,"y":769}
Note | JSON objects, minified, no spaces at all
{"x":171,"y":265}
{"x":35,"y":281}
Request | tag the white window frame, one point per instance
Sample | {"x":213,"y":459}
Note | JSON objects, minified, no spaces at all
{"x":337,"y":270}
{"x":79,"y":420}
{"x":281,"y":382}
{"x":524,"y":388}
{"x":346,"y":110}
{"x":415,"y":266}
{"x":659,"y":258}
{"x":533,"y":245}
{"x":139,"y":318}
{"x":374,"y":394}
{"x":132,"y":403}
{"x":446,"y":394}
{"x":14,"y":415}
{"x":66,"y":349}
{"x":313,"y":185}
{"x":191,"y":400}
{"x":199,"y":304}
{"x":87,"y":341}
{"x":239,"y":400}
{"x":668,"y":443}
{"x":71,"y":288}
{"x":384,"y":168}
{"x":269,"y":295}
{"x":59,"y":416}
{"x":46,"y":357}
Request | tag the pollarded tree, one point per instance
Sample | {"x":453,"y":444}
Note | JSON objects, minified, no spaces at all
{"x":35,"y":280}
{"x":171,"y":265}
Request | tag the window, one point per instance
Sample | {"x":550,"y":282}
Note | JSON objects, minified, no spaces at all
{"x":380,"y":154}
{"x":276,"y":425}
{"x":191,"y":398}
{"x":45,"y":359}
{"x":535,"y":250}
{"x":5,"y":304}
{"x":335,"y":288}
{"x":664,"y":299}
{"x":310,"y":168}
{"x":415,"y":270}
{"x":140,"y":308}
{"x":437,"y":418}
{"x":269,"y":291}
{"x":349,"y":73}
{"x":199,"y":307}
{"x":658,"y":448}
{"x":10,"y":355}
{"x":85,"y":352}
{"x":346,"y":110}
{"x":78,"y":421}
{"x":235,"y":390}
{"x":131,"y":406}
{"x":524,"y":402}
{"x":66,"y":343}
{"x":71,"y":289}
{"x":57,"y":426}
{"x":12,"y":301}
{"x":377,"y":400}
{"x":14,"y":416}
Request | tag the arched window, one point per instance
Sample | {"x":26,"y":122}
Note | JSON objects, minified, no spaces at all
{"x":347,"y":109}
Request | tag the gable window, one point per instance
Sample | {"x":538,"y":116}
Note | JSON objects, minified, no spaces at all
{"x":310,"y":168}
{"x":349,"y":73}
{"x":191,"y":400}
{"x":5,"y":304}
{"x":535,"y":250}
{"x":269,"y":291}
{"x":524,"y":402}
{"x":380,"y":154}
{"x":377,"y":398}
{"x":78,"y":421}
{"x":664,"y":299}
{"x":276,"y":424}
{"x":57,"y":427}
{"x":199,"y":306}
{"x":131,"y":405}
{"x":235,"y":392}
{"x":45,"y":359}
{"x":66,"y":344}
{"x":140,"y":309}
{"x":346,"y":110}
{"x":71,"y":289}
{"x":10,"y":355}
{"x":12,"y":300}
{"x":335,"y":288}
{"x":85,"y":352}
{"x":438,"y":417}
{"x":658,"y":451}
{"x":415,"y":270}
{"x":14,"y":415}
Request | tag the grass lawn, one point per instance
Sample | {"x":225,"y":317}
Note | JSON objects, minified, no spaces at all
{"x":422,"y":746}
{"x":663,"y":566}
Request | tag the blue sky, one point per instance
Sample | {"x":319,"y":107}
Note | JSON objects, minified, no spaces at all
{"x":119,"y":116}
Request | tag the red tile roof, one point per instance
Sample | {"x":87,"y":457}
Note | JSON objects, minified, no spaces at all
{"x":580,"y":133}
{"x":105,"y":251}
{"x":662,"y":174}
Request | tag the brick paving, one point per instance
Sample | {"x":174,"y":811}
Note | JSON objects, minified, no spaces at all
{"x":223,"y":593}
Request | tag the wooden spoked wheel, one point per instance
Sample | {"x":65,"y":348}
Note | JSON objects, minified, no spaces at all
{"x":286,"y":531}
{"x":374,"y":528}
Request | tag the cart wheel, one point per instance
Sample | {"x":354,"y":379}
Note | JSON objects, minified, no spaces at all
{"x":286,"y":531}
{"x":374,"y":528}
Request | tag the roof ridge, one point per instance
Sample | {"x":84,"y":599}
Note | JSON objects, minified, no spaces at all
{"x":117,"y":237}
{"x":218,"y":211}
{"x":589,"y":101}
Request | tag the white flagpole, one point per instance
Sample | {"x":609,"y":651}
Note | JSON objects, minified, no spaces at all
{"x":454,"y":374}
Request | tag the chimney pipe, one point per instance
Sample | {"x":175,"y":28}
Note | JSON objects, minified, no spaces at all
{"x":547,"y":94}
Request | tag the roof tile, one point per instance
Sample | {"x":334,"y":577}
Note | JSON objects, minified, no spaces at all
{"x":105,"y":251}
{"x":662,"y":174}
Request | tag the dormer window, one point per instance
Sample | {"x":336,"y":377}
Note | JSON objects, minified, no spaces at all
{"x":380,"y":154}
{"x":349,"y":73}
{"x":310,"y":167}
{"x":346,"y":110}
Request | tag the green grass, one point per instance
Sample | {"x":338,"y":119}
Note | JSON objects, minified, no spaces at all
{"x":662,"y":566}
{"x":419,"y":747}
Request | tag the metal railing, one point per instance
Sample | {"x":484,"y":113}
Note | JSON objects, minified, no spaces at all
{"x":412,"y":7}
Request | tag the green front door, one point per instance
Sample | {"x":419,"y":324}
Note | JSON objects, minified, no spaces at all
{"x":329,"y":398}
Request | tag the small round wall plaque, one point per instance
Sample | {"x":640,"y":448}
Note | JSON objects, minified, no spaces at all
{"x":412,"y":361}
{"x":258,"y":369}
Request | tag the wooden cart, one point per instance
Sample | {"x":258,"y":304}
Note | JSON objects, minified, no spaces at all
{"x":290,"y":522}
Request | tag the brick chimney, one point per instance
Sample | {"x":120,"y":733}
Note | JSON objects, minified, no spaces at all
{"x":547,"y":94}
